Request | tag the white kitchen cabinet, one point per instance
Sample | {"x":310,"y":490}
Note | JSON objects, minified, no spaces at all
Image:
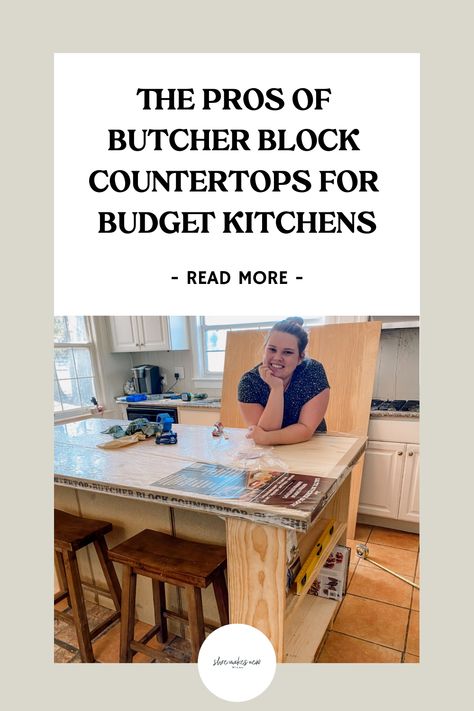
{"x":148,"y":333}
{"x":409,"y":498}
{"x":390,"y":481}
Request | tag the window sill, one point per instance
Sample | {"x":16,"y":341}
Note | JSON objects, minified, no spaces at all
{"x":78,"y":416}
{"x":72,"y":418}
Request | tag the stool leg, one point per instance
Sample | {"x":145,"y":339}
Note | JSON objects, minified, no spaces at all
{"x":109,"y":571}
{"x":222,"y":598}
{"x":159,"y":603}
{"x":196,"y":620}
{"x":61,"y":571}
{"x":78,"y":606}
{"x":127,"y":622}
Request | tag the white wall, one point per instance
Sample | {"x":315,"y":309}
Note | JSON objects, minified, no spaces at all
{"x":114,"y":368}
{"x":398,"y":376}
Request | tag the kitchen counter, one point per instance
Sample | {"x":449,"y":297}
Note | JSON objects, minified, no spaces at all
{"x":130,"y":487}
{"x":207,"y":404}
{"x":397,"y":414}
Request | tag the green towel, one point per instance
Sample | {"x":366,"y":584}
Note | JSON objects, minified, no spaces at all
{"x":139,"y":425}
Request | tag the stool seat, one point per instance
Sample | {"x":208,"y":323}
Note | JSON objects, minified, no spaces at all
{"x":167,"y":559}
{"x":70,"y":534}
{"x":175,"y":560}
{"x":74,"y":532}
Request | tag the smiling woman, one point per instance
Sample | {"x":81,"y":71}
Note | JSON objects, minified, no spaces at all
{"x":283,"y":399}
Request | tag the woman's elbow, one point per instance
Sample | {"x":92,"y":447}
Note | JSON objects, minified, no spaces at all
{"x":306,"y":432}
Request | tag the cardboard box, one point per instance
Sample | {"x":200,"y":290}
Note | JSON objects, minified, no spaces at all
{"x":332,"y":581}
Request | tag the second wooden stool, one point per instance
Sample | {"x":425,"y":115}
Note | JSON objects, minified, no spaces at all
{"x":166,"y":559}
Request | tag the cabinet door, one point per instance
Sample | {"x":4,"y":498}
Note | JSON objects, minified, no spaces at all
{"x":154,"y":333}
{"x":198,"y":417}
{"x":409,"y":499}
{"x":124,"y":334}
{"x":382,"y":479}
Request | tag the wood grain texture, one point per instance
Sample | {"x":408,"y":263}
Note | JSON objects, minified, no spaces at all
{"x":349,"y":355}
{"x":307,"y":628}
{"x":244,"y":349}
{"x":256,"y":574}
{"x":174,"y":560}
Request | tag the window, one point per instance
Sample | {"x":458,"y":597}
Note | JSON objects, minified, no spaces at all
{"x":74,"y":366}
{"x":212,"y":335}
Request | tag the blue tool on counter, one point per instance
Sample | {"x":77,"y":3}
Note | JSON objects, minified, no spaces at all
{"x":137,"y":397}
{"x":165,"y":434}
{"x":165,"y":421}
{"x":166,"y":438}
{"x":186,"y":397}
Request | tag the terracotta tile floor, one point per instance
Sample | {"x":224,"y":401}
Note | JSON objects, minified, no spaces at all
{"x":377,"y":622}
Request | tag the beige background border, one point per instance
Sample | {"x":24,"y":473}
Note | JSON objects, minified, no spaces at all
{"x":441,"y":33}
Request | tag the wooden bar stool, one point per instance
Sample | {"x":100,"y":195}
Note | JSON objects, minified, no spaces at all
{"x":166,"y":559}
{"x":70,"y":534}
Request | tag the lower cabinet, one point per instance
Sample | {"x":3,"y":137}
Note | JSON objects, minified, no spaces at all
{"x":390,"y":481}
{"x":203,"y":416}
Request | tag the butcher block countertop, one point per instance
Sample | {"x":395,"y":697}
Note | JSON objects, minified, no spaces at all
{"x":143,"y":470}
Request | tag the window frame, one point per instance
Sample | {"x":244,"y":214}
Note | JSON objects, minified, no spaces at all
{"x":91,"y":347}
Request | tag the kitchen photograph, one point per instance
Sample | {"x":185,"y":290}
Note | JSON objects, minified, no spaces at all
{"x":261,"y":470}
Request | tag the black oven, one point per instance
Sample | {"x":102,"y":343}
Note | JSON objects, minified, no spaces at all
{"x":134,"y":411}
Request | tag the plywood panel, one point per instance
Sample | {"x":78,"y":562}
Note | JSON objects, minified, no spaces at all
{"x":307,"y":627}
{"x":349,"y":355}
{"x":256,"y":574}
{"x":244,"y":349}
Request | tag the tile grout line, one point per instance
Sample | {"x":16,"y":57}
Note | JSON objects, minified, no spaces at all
{"x":368,"y":641}
{"x":373,"y":599}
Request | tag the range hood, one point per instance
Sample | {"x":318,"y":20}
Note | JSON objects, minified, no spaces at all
{"x":392,"y":322}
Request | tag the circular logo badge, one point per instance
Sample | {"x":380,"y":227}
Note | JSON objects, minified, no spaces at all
{"x":236,"y":662}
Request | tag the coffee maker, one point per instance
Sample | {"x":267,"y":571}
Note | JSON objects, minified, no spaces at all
{"x":147,"y":379}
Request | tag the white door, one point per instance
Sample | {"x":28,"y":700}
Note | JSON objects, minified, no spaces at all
{"x":410,"y":495}
{"x":382,"y":479}
{"x":155,"y":335}
{"x":124,"y":334}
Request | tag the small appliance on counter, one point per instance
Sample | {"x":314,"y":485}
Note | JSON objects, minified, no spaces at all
{"x":147,"y":379}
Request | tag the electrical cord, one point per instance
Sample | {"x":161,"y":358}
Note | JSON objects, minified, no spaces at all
{"x":172,"y":386}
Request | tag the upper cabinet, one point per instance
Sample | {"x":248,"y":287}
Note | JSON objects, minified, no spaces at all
{"x":148,"y":333}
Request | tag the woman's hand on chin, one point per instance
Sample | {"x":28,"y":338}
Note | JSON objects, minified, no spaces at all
{"x":258,"y":435}
{"x":267,"y":376}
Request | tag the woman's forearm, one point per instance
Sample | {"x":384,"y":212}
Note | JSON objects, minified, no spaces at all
{"x":288,"y":435}
{"x":272,"y":416}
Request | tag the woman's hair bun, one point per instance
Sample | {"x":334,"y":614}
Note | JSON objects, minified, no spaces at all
{"x":294,"y":326}
{"x":295,"y":319}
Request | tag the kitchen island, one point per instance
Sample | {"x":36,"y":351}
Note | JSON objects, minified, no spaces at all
{"x":165,"y":488}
